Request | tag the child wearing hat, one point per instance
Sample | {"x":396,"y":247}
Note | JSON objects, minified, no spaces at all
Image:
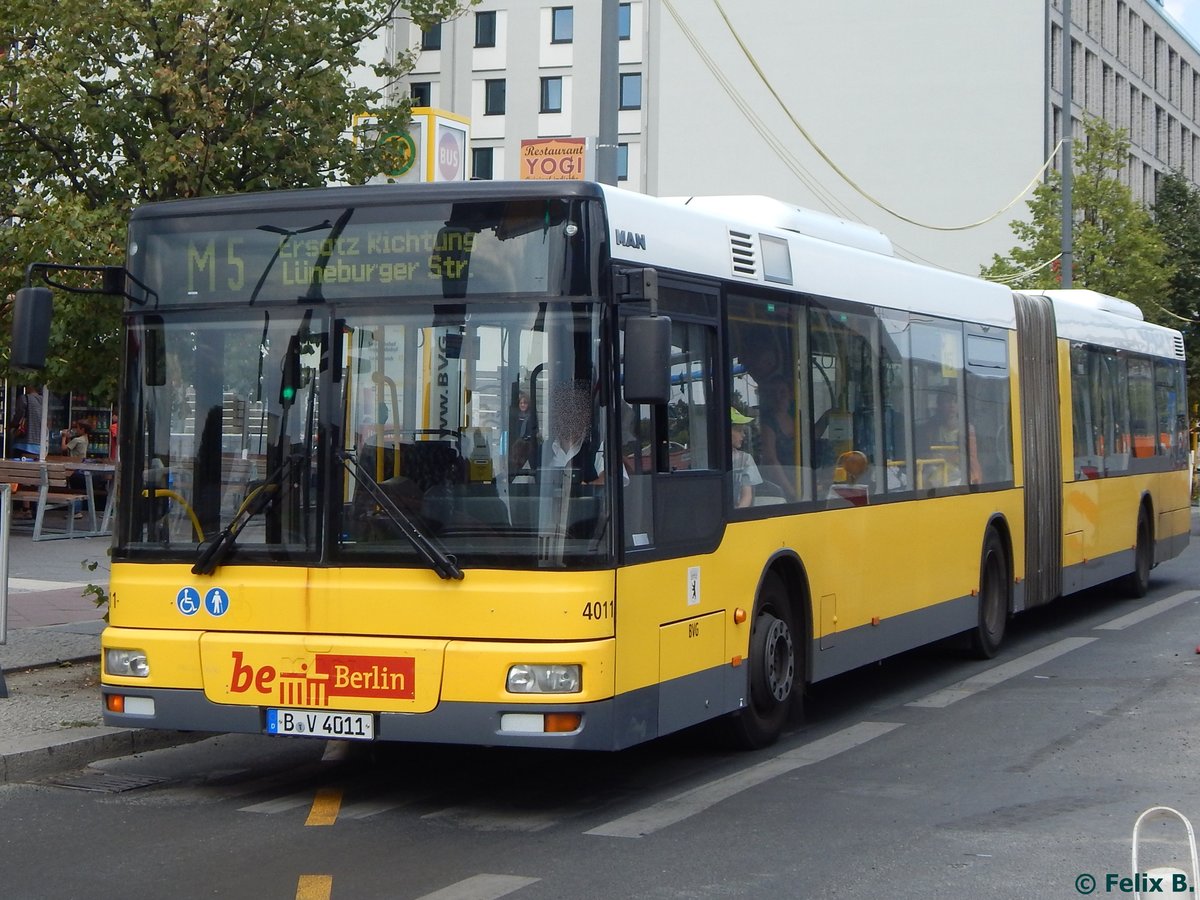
{"x":745,"y":471}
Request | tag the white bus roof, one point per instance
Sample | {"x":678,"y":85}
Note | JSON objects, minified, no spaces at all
{"x":758,"y":241}
{"x":1095,"y":318}
{"x":761,"y":242}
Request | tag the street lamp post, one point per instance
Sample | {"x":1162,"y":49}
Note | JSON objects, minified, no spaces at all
{"x":606,"y":143}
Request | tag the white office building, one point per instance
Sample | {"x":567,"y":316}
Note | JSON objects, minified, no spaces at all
{"x":926,"y":119}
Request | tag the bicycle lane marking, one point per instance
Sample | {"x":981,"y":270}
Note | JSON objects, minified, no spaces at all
{"x":1153,"y":609}
{"x":689,"y":803}
{"x":968,"y":687}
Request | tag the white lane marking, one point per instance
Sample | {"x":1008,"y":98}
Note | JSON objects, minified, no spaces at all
{"x":495,"y":820}
{"x":367,"y":809}
{"x":1152,"y":609}
{"x":994,"y":676}
{"x":689,"y":803}
{"x":481,"y":887}
{"x":280,"y":804}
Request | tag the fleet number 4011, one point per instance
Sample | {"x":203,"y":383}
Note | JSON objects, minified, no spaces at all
{"x":600,"y":609}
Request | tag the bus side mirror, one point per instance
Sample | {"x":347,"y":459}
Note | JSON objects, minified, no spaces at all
{"x":32,"y":310}
{"x":647,"y":359}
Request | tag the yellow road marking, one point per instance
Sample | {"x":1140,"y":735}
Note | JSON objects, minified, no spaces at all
{"x":314,"y":887}
{"x":325,"y":807}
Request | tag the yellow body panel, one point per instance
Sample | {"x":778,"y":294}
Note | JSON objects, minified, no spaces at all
{"x":477,"y":671}
{"x":174,"y":656}
{"x":875,"y":562}
{"x":692,"y":645}
{"x":487,"y":604}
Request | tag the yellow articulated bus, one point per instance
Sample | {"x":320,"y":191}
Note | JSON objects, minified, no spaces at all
{"x":558,"y":465}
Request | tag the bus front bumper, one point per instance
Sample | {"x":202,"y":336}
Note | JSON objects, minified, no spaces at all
{"x":480,"y":724}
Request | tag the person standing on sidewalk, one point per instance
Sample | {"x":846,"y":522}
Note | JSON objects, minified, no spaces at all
{"x":26,"y":423}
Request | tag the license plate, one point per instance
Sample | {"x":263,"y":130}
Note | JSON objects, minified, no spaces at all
{"x":320,"y":723}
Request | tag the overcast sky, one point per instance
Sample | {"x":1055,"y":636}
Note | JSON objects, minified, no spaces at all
{"x":1187,"y":14}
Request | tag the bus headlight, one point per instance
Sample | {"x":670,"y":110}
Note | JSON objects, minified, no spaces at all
{"x":129,"y":663}
{"x":537,"y":678}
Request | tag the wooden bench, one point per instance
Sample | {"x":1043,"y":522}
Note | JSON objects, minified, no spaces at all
{"x":51,"y":482}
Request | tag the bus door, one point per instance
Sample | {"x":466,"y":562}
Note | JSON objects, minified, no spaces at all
{"x":673,"y":501}
{"x":670,"y":623}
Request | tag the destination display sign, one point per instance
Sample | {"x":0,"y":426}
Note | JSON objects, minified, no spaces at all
{"x":499,"y":248}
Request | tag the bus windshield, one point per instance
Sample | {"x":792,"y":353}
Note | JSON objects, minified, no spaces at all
{"x":374,"y":424}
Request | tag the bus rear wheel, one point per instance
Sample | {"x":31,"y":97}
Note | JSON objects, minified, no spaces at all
{"x":988,"y":633}
{"x":1137,"y":582}
{"x":776,"y":670}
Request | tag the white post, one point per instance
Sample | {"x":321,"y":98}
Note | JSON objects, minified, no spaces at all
{"x":5,"y":519}
{"x":45,"y":424}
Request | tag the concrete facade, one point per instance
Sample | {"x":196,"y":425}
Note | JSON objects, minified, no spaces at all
{"x":928,"y":120}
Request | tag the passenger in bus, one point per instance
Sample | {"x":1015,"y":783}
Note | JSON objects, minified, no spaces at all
{"x":570,"y":422}
{"x":780,"y":439}
{"x":745,"y":472}
{"x":524,"y":436}
{"x":942,"y":441}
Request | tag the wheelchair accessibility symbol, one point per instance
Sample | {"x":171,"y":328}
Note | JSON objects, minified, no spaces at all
{"x":188,"y":601}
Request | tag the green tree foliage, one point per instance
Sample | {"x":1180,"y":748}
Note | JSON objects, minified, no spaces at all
{"x":110,"y":105}
{"x":1177,"y":217}
{"x":1117,"y":250}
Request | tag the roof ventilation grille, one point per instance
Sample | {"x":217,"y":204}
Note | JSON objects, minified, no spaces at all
{"x":741,"y":249}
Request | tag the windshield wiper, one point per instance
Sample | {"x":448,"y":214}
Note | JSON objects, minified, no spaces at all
{"x":260,"y":498}
{"x":438,"y":560}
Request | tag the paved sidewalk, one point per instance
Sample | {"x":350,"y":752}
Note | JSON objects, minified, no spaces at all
{"x":50,"y":720}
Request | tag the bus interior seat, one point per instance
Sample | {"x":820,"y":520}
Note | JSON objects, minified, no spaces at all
{"x":768,"y":494}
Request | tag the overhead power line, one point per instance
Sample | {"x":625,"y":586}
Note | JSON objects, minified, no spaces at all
{"x":1033,"y":182}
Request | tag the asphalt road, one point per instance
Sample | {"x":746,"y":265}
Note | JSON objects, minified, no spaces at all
{"x":930,"y":775}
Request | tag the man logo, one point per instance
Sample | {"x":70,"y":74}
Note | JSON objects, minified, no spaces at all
{"x":631,"y":239}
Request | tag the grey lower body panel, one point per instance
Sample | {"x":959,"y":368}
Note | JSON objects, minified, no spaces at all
{"x":1170,"y":547}
{"x":866,"y":644}
{"x":1100,"y":570}
{"x":606,"y":725}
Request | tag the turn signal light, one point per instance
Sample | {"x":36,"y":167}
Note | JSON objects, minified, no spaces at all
{"x":560,"y":722}
{"x":115,"y":703}
{"x":739,"y":616}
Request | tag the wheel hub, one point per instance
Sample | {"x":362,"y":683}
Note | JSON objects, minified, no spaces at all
{"x":779,"y":660}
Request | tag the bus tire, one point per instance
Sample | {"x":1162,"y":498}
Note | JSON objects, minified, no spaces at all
{"x":994,"y":591}
{"x":1137,"y":583}
{"x":776,"y":670}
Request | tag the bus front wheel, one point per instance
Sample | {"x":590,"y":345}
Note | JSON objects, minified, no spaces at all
{"x":993,"y":598}
{"x":1137,"y":582}
{"x":776,"y":669}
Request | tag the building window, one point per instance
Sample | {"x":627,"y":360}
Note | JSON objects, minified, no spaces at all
{"x":562,"y":25}
{"x":481,"y":163}
{"x":485,"y":29}
{"x":631,"y":90}
{"x":622,"y":162}
{"x":421,"y":93}
{"x":624,"y":28}
{"x":552,"y":94}
{"x":432,"y":39}
{"x":493,"y":97}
